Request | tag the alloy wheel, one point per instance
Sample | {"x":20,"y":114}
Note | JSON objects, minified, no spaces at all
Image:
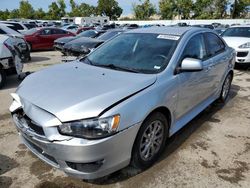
{"x":151,"y":140}
{"x":226,"y":87}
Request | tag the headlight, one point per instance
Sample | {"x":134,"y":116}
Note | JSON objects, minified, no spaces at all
{"x":246,"y":45}
{"x":91,"y":128}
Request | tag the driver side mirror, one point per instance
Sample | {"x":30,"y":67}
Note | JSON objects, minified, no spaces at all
{"x":191,"y":65}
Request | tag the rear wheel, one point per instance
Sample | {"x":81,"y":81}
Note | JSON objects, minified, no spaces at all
{"x":150,"y":141}
{"x":2,"y":77}
{"x":226,"y":88}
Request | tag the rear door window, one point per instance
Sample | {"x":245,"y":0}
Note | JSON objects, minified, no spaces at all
{"x":214,"y":44}
{"x":15,"y":26}
{"x":46,"y":32}
{"x":58,"y":31}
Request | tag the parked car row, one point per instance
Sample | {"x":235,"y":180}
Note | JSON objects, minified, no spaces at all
{"x":84,"y":42}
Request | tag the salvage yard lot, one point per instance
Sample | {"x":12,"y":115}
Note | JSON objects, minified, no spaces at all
{"x":211,"y":151}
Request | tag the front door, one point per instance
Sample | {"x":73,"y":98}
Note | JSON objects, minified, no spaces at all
{"x":194,"y":87}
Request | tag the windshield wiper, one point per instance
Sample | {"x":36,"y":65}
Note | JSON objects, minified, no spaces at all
{"x":86,"y":60}
{"x":112,"y":66}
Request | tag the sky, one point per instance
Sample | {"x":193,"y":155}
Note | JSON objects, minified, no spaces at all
{"x":12,"y":4}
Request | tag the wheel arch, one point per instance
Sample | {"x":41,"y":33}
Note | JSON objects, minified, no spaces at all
{"x":166,"y":112}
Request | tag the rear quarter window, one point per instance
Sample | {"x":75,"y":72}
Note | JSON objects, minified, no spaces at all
{"x":15,"y":26}
{"x":2,"y":31}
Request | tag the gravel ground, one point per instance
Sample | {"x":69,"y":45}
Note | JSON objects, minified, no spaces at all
{"x":211,"y":151}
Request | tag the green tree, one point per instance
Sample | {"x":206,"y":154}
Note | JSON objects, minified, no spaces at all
{"x":181,"y":8}
{"x":202,"y":9}
{"x":144,"y":10}
{"x":220,"y":9}
{"x":62,"y":7}
{"x":14,"y":14}
{"x":39,"y":14}
{"x":25,"y":9}
{"x":167,"y":9}
{"x":239,"y":8}
{"x":54,"y":12}
{"x":81,"y":10}
{"x":109,"y":8}
{"x":4,"y":15}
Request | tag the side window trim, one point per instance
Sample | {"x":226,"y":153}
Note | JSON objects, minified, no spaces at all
{"x":185,"y":44}
{"x":204,"y":45}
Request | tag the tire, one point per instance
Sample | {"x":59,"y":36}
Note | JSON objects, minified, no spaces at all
{"x":225,"y":90}
{"x":29,"y":46}
{"x":2,"y":78}
{"x":142,"y":158}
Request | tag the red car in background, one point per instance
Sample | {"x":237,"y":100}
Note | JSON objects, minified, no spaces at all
{"x":81,"y":29}
{"x":43,"y":38}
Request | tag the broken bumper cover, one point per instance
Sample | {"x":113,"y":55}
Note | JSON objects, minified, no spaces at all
{"x":81,"y":158}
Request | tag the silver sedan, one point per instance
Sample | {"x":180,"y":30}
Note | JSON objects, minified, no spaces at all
{"x":118,"y":105}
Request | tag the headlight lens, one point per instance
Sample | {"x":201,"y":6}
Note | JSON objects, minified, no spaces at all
{"x":91,"y":128}
{"x":246,"y":45}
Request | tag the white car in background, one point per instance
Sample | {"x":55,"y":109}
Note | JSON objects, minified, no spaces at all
{"x":238,"y":37}
{"x":17,"y":26}
{"x":72,"y":28}
{"x":10,"y":61}
{"x":5,"y":29}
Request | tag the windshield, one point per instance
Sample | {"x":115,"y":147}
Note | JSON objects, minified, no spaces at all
{"x":144,"y":53}
{"x":237,"y":32}
{"x":88,"y":33}
{"x":108,"y":35}
{"x":30,"y":26}
{"x":31,"y":31}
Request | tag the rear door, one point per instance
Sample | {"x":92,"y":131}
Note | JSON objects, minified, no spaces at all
{"x":216,"y":51}
{"x":45,"y":38}
{"x":57,"y":33}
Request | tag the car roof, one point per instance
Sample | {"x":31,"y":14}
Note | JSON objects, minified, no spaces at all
{"x":240,"y":26}
{"x":177,"y":31}
{"x":5,"y":24}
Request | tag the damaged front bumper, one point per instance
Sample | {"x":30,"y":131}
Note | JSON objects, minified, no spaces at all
{"x":81,"y":158}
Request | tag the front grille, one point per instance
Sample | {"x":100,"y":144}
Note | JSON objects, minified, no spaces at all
{"x":36,"y":128}
{"x":242,"y":54}
{"x":31,"y":124}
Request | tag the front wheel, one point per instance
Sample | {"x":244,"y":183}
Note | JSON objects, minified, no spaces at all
{"x":150,"y":141}
{"x":226,"y":88}
{"x":2,"y":78}
{"x":29,"y":46}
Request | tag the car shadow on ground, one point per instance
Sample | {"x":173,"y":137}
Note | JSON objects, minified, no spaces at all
{"x":35,"y":59}
{"x":11,"y":82}
{"x":174,"y":142}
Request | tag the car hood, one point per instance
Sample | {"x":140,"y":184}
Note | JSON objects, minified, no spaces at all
{"x":64,"y":39}
{"x":87,"y":42}
{"x":235,"y":42}
{"x":75,"y":91}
